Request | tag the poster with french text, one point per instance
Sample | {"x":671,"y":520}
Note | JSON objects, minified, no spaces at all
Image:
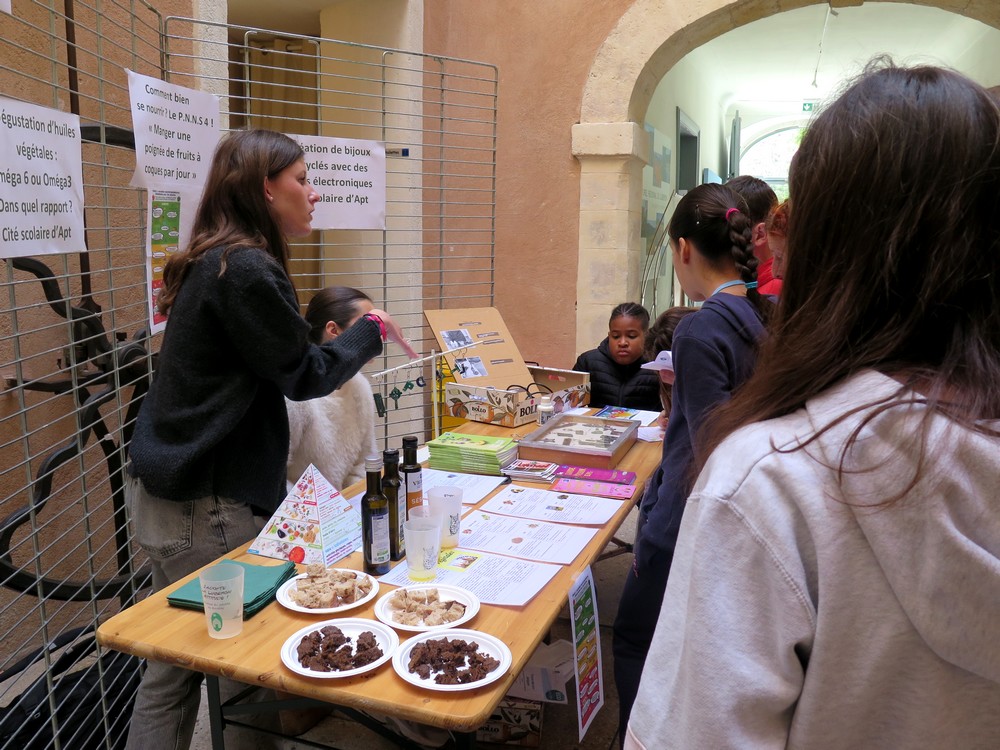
{"x":349,"y":175}
{"x":176,"y":132}
{"x":41,"y":181}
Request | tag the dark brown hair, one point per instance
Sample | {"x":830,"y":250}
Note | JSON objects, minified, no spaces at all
{"x":336,"y":303}
{"x":759,"y":196}
{"x":714,"y":219}
{"x":894,"y":255}
{"x":233,"y":212}
{"x":660,"y":338}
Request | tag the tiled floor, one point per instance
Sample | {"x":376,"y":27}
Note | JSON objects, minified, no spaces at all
{"x":559,"y":723}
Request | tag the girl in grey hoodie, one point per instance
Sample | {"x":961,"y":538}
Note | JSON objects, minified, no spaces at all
{"x":836,"y":581}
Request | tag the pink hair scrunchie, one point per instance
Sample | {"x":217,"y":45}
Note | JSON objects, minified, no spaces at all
{"x":730,"y":212}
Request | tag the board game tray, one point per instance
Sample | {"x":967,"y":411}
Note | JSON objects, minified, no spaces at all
{"x":579,"y":440}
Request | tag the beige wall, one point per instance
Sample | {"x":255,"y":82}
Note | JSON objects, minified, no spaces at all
{"x":544,"y":52}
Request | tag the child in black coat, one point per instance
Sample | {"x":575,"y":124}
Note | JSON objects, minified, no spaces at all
{"x":615,"y":366}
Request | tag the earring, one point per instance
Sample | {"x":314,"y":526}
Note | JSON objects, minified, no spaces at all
{"x":421,"y":383}
{"x":380,"y":405}
{"x":394,"y":394}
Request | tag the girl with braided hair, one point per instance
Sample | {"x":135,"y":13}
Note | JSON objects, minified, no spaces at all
{"x":714,"y":350}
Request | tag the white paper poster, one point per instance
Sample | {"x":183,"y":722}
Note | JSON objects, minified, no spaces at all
{"x":349,"y":176}
{"x":494,"y":579}
{"x":474,"y":486}
{"x":4,"y":6}
{"x":532,"y":540}
{"x":587,"y":640}
{"x":176,"y":132}
{"x":41,"y":181}
{"x":558,"y":507}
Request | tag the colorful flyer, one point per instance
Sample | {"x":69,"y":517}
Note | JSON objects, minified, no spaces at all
{"x":617,"y":476}
{"x":313,"y":524}
{"x":601,"y":489}
{"x":164,"y":239}
{"x":587,"y":640}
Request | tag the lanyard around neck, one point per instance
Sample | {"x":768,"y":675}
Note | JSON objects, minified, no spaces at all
{"x":728,"y":284}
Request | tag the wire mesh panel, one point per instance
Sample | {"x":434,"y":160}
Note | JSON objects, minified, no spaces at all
{"x":437,"y":118}
{"x":75,"y":353}
{"x":74,"y":357}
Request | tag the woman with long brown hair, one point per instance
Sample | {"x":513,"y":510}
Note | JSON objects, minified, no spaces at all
{"x":207,"y":459}
{"x":836,"y":581}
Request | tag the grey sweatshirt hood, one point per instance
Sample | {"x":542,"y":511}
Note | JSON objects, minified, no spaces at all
{"x":941,"y":553}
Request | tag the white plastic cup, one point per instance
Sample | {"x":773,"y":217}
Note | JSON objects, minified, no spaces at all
{"x":222,"y":590}
{"x":424,"y":511}
{"x":447,"y":502}
{"x":422,"y":536}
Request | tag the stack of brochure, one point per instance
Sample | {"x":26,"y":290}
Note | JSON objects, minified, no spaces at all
{"x":478,"y":454}
{"x":531,"y":471}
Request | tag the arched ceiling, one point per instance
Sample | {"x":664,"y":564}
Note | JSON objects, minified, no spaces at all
{"x":771,"y":67}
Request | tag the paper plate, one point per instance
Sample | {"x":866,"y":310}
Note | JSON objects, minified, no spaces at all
{"x":352,"y":627}
{"x":285,"y":600}
{"x":488,"y":645}
{"x":445,"y":593}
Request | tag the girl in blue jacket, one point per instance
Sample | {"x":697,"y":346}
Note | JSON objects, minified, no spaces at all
{"x":714,"y":350}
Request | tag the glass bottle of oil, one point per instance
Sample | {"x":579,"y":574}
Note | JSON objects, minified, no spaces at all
{"x":375,"y":520}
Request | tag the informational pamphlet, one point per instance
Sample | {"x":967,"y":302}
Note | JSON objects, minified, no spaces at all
{"x":504,"y":581}
{"x":313,"y":524}
{"x":651,"y":434}
{"x":588,"y":487}
{"x":617,"y":476}
{"x":518,"y":537}
{"x":641,"y":416}
{"x":474,"y":486}
{"x":587,"y":640}
{"x":557,"y":507}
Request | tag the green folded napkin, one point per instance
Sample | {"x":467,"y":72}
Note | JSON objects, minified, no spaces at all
{"x":260,"y":582}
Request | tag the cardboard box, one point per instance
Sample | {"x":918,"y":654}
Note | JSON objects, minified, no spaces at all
{"x":515,"y":722}
{"x":491,"y":378}
{"x":545,"y":675}
{"x":580,"y":440}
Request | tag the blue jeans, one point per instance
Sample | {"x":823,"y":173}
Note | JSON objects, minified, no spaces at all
{"x":179,"y":538}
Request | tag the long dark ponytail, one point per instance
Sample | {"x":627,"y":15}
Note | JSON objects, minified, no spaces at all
{"x":716,"y":221}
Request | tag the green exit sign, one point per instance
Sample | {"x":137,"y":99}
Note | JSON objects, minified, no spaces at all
{"x":807,"y":106}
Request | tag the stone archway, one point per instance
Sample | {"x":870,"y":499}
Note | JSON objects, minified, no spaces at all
{"x":610,"y":142}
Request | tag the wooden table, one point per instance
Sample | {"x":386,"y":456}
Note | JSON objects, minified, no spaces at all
{"x":154,"y":630}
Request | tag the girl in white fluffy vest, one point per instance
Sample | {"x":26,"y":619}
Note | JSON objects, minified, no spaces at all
{"x":336,"y":432}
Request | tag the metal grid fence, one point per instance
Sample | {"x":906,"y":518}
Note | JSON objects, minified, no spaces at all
{"x":75,"y":355}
